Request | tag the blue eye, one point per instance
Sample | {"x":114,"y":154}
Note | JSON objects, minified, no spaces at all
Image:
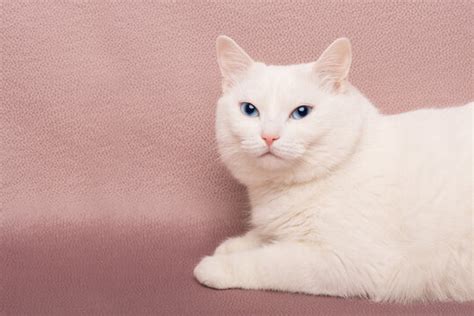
{"x":300,"y":112}
{"x":248,"y":109}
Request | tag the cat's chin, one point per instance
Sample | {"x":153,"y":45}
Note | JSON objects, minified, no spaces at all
{"x":270,"y":161}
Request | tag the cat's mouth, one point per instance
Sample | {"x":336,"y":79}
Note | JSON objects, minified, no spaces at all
{"x":269,"y":154}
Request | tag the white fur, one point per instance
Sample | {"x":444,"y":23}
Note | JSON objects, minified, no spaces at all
{"x":356,"y":203}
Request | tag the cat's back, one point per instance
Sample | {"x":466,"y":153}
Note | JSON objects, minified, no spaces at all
{"x":431,"y":125}
{"x":433,"y":139}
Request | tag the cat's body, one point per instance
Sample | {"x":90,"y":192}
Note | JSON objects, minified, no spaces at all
{"x":400,"y":228}
{"x":369,"y":205}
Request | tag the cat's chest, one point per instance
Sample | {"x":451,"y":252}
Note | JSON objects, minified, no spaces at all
{"x":318,"y":212}
{"x":288,"y":214}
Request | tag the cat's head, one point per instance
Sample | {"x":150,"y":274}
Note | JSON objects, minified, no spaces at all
{"x":286,"y":123}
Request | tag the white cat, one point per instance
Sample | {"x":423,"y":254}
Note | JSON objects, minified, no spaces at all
{"x":345,"y":201}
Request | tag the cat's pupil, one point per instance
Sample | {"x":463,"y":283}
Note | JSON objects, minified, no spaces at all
{"x":303,"y":111}
{"x":249,"y":108}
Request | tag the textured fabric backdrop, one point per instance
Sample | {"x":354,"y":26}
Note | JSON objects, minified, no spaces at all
{"x":111,"y":189}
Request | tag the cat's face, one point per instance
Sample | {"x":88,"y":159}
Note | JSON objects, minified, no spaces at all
{"x":271,"y":119}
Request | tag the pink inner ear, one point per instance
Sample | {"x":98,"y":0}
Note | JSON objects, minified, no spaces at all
{"x":233,"y":60}
{"x":334,"y":64}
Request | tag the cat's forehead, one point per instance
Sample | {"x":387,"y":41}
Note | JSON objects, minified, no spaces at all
{"x":281,"y":72}
{"x":274,"y":81}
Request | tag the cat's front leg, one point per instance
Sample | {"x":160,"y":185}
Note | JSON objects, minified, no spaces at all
{"x":293,"y":267}
{"x":235,"y":244}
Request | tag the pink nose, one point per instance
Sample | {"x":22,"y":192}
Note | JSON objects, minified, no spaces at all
{"x":269,"y":139}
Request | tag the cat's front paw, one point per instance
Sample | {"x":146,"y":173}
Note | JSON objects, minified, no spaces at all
{"x":215,"y":272}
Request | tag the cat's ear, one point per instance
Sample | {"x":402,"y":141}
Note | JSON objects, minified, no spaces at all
{"x":233,"y":60}
{"x":334,"y":64}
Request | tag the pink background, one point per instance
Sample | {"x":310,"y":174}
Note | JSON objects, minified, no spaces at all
{"x":111,"y":189}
